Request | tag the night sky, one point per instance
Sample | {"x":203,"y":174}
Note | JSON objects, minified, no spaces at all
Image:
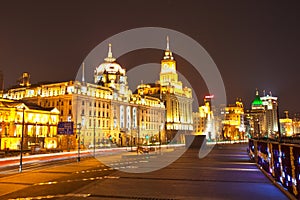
{"x":255,"y":44}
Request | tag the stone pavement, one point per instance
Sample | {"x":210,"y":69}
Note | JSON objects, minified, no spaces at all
{"x":225,"y":173}
{"x":18,"y":181}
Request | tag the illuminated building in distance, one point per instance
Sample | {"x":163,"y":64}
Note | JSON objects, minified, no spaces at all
{"x":256,"y":117}
{"x":203,"y":120}
{"x":262,"y":117}
{"x":135,"y":118}
{"x":286,"y":125}
{"x":271,"y":108}
{"x":233,"y":124}
{"x":289,"y":126}
{"x":40,"y":126}
{"x":177,"y":99}
{"x":107,"y":111}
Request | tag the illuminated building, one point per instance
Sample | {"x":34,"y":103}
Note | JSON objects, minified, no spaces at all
{"x":106,"y":110}
{"x":289,"y":127}
{"x":210,"y":125}
{"x":198,"y":123}
{"x":257,"y":117}
{"x":270,"y":104}
{"x":233,"y":124}
{"x":25,"y":79}
{"x":262,"y":117}
{"x":203,"y":120}
{"x":136,"y":119}
{"x":149,"y":114}
{"x":286,"y":125}
{"x":296,"y":126}
{"x":178,"y":99}
{"x":40,"y":126}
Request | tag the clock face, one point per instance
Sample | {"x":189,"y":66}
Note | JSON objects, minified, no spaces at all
{"x":173,"y":66}
{"x":166,"y":66}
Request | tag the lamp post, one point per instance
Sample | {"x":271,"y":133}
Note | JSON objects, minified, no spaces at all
{"x":138,"y":130}
{"x":94,"y":138}
{"x":36,"y":136}
{"x":131,"y":130}
{"x":78,"y":148}
{"x":22,"y":139}
{"x":159,"y":138}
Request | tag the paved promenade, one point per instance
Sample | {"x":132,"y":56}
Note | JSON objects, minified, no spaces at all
{"x":225,"y":173}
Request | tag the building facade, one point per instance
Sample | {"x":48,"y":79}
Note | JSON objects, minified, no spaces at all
{"x":233,"y":124}
{"x":289,"y":127}
{"x":106,"y":112}
{"x":271,"y":108}
{"x":177,"y":99}
{"x":38,"y":125}
{"x":203,"y":120}
{"x":263,"y":116}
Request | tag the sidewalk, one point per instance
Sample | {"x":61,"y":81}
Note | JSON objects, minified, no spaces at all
{"x":225,"y":173}
{"x":17,"y":181}
{"x":25,"y":179}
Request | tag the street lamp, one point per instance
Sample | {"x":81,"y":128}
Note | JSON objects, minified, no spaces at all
{"x":159,"y":138}
{"x":78,"y":127}
{"x":22,"y":139}
{"x":131,"y":130}
{"x":139,"y":119}
{"x":94,"y":135}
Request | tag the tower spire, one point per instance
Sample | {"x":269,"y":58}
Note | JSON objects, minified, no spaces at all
{"x":256,"y":92}
{"x":110,"y":57}
{"x":109,"y":51}
{"x":82,"y":78}
{"x":168,"y":53}
{"x":168,"y":44}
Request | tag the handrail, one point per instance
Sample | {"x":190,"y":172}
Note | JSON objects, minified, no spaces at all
{"x":280,"y":160}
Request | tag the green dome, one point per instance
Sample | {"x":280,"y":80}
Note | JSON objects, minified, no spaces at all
{"x":257,"y":101}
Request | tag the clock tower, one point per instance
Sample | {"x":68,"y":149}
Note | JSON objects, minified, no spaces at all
{"x":168,"y":74}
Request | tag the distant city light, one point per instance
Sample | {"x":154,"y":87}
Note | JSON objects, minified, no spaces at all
{"x":209,"y":96}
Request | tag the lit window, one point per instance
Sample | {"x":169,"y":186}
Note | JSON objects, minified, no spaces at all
{"x":121,"y":117}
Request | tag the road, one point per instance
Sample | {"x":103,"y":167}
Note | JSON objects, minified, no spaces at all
{"x":225,"y":173}
{"x":11,"y":165}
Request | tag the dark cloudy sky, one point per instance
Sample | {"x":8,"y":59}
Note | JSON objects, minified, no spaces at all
{"x":255,"y":44}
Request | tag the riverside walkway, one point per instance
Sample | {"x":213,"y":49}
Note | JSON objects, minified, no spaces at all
{"x":225,"y":173}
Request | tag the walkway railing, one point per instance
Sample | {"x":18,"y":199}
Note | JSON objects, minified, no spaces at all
{"x":280,"y":160}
